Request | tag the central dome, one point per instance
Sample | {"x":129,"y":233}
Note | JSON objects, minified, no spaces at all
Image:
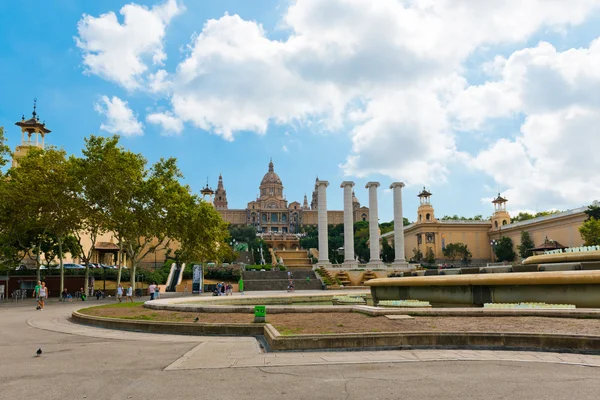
{"x":271,"y":178}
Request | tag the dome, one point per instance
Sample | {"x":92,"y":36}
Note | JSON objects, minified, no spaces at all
{"x":271,"y":178}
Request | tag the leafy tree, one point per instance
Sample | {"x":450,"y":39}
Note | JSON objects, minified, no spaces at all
{"x":4,"y":150}
{"x":387,"y":252}
{"x":526,"y":245}
{"x":429,"y":256}
{"x":417,"y":255}
{"x":457,"y":218}
{"x":504,"y":249}
{"x":590,"y":232}
{"x":457,"y":250}
{"x":524,"y":216}
{"x":593,"y":211}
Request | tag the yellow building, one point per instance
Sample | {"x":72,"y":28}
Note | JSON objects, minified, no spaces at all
{"x":276,"y":220}
{"x":428,"y":232}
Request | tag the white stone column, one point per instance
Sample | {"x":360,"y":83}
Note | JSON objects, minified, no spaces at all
{"x":349,"y":260}
{"x":322,"y":221}
{"x":399,"y":259}
{"x":375,"y":260}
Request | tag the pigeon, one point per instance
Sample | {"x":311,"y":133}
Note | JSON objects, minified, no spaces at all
{"x":196,"y":319}
{"x":38,"y":352}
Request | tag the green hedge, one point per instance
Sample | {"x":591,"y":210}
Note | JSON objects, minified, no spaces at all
{"x":229,"y":273}
{"x":265,"y":267}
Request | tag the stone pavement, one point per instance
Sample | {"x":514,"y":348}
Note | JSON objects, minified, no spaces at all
{"x":93,"y":363}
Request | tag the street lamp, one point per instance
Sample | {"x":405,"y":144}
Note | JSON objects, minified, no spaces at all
{"x":493,"y":243}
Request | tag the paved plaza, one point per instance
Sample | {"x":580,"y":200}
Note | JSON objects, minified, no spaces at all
{"x":80,"y":362}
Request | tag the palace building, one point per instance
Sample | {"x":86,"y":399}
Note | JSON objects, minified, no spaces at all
{"x":548,"y":232}
{"x":273,"y":217}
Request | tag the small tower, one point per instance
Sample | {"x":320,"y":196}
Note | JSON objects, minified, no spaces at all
{"x":425,"y":211}
{"x":220,"y":196}
{"x":355,"y":202}
{"x":501,"y":217}
{"x":35,"y":131}
{"x":314,"y":203}
{"x":305,"y":204}
{"x":207,"y":193}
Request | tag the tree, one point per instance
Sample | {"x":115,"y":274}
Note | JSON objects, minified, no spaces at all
{"x":417,"y":255}
{"x":593,"y":211}
{"x":504,"y":249}
{"x":429,"y":256}
{"x":457,"y":250}
{"x":590,"y":232}
{"x":524,"y":216}
{"x":457,"y":218}
{"x":4,"y":150}
{"x":526,"y":245}
{"x":387,"y":251}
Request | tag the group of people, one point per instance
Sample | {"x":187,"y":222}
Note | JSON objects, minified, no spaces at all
{"x":223,"y":289}
{"x":128,"y":294}
{"x":41,"y":293}
{"x":290,"y":287}
{"x":154,"y":291}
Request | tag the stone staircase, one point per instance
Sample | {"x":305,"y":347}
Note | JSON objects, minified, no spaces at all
{"x":368,"y":275}
{"x":294,"y":258}
{"x":278,"y":280}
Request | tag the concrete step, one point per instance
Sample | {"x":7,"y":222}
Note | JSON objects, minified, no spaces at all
{"x":280,"y":284}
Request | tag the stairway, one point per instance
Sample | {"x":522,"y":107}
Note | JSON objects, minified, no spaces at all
{"x":294,"y":258}
{"x":368,"y":275}
{"x":343,"y":278}
{"x":278,"y":280}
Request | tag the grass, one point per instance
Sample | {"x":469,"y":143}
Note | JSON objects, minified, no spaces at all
{"x":288,"y":331}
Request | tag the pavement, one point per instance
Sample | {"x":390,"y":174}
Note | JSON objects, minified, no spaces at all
{"x":81,"y":362}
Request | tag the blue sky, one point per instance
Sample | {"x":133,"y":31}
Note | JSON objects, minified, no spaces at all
{"x":346,"y":90}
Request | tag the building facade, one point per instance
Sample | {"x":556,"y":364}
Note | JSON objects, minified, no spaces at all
{"x":270,"y":212}
{"x":428,"y":232}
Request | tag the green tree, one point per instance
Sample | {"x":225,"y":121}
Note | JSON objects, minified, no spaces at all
{"x":590,"y":232}
{"x":4,"y":150}
{"x":457,"y":250}
{"x":504,"y":249}
{"x":417,"y":255}
{"x":429,"y":256}
{"x":457,"y":218}
{"x":593,"y":211}
{"x":526,"y":245}
{"x":387,"y":252}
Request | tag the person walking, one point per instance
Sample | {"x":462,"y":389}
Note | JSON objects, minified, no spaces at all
{"x":222,"y":288}
{"x":151,"y":289}
{"x":43,"y":295}
{"x":129,"y":294}
{"x":120,"y":293}
{"x":156,"y":292}
{"x":36,"y":294}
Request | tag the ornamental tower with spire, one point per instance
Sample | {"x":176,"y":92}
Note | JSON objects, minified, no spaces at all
{"x":220,"y":196}
{"x":35,"y":131}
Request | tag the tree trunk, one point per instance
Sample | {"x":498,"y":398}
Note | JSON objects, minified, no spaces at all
{"x":38,"y":264}
{"x":132,"y":274}
{"x":86,"y":284}
{"x":119,"y":264}
{"x":62,"y":267}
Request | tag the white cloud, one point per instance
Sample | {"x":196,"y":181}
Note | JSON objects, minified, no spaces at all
{"x":285,"y":149}
{"x":392,"y":74}
{"x":169,"y":123}
{"x":119,"y":117}
{"x":551,"y":162}
{"x":121,"y":52}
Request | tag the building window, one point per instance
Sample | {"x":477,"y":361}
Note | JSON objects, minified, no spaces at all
{"x":430,"y":237}
{"x":364,"y":217}
{"x":284,"y":218}
{"x":284,"y":229}
{"x":274,"y":229}
{"x":420,"y":218}
{"x":419,"y":239}
{"x":264,"y":218}
{"x":427,"y":216}
{"x":273,"y":217}
{"x":504,"y":222}
{"x":495,"y":224}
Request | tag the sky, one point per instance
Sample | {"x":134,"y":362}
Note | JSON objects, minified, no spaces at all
{"x":466,"y":98}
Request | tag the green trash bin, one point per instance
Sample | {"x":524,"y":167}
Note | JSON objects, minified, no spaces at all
{"x":260,"y":313}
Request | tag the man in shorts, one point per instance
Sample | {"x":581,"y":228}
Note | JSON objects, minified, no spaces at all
{"x":129,"y":294}
{"x":120,"y":293}
{"x":36,"y":294}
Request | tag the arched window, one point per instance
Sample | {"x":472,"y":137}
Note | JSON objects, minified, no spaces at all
{"x":427,"y":216}
{"x":420,"y":217}
{"x":495,"y":224}
{"x":503,"y":222}
{"x":273,"y":217}
{"x":364,"y":217}
{"x":264,"y":218}
{"x":283,"y":218}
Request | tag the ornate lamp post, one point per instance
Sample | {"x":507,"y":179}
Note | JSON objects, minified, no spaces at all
{"x":493,"y":243}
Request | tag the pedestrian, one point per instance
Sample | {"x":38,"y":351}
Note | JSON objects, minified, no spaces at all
{"x":82,"y":294}
{"x":151,"y":290}
{"x":222,"y":288}
{"x":120,"y":293}
{"x":185,"y":288}
{"x":129,"y":294}
{"x":43,"y":295}
{"x":307,"y":280}
{"x":156,"y":292}
{"x":36,"y":294}
{"x":229,"y":289}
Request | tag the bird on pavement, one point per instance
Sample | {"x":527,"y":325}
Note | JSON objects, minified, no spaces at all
{"x":38,"y":352}
{"x":196,"y":319}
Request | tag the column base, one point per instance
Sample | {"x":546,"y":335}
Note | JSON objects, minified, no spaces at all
{"x":325,"y":264}
{"x":400,"y":264}
{"x":376,"y":264}
{"x":350,"y":264}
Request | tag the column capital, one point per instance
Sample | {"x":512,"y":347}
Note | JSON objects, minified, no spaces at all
{"x":369,"y":184}
{"x":347,"y":183}
{"x":396,"y":184}
{"x":323,"y":183}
